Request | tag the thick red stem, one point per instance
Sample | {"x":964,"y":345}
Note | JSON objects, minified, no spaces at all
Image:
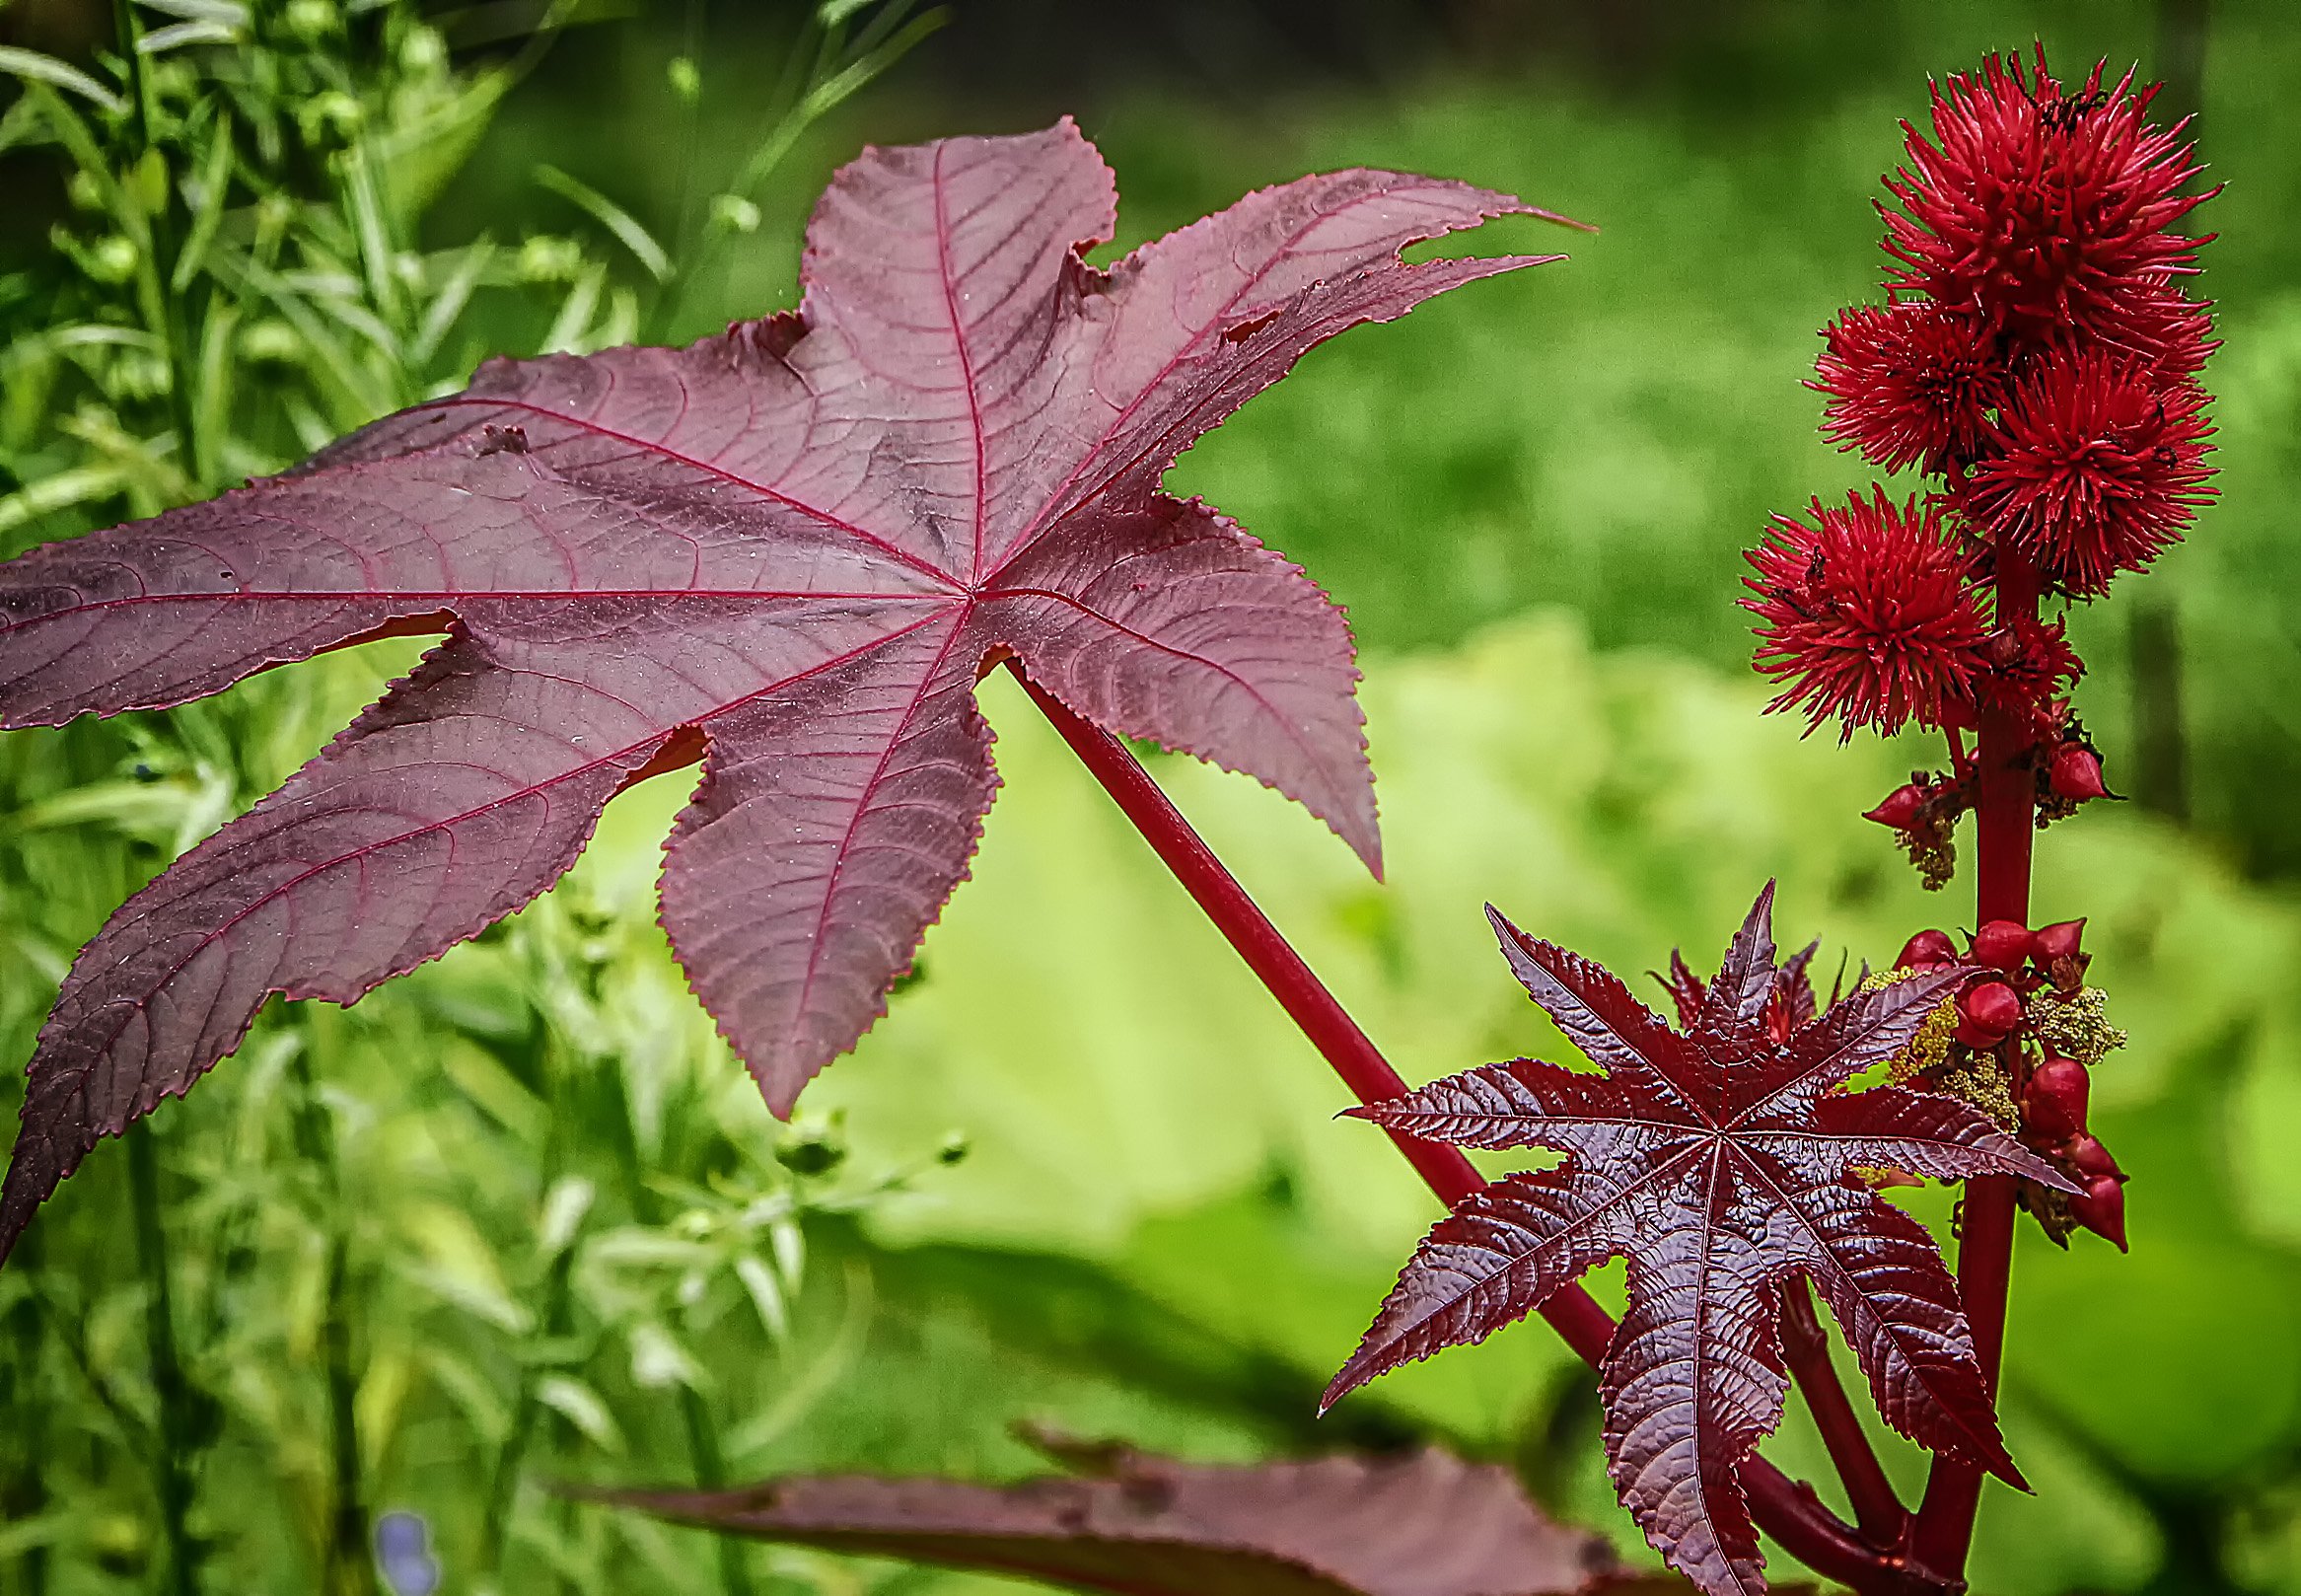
{"x":1786,"y":1509}
{"x":2004,"y":822}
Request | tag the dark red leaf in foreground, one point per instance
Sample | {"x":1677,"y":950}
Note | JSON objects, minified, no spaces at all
{"x":1427,"y":1525}
{"x":1721,"y":1162}
{"x":793,"y":549}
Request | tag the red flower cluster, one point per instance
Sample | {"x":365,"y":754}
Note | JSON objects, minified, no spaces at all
{"x":1870,"y":614}
{"x":2037,"y":356}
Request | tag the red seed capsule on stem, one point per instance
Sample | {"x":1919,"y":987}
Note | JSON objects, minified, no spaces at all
{"x":1927,"y":950}
{"x":2055,"y":1102}
{"x":1988,"y":1014}
{"x":2101,"y":1209}
{"x":2002,"y":945}
{"x":2092,"y":1160}
{"x":1900,"y":808}
{"x":2076,"y":774}
{"x":2051,"y":944}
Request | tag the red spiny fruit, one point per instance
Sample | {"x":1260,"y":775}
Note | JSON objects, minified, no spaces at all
{"x":1869,"y":615}
{"x":2098,"y":468}
{"x":1908,"y":384}
{"x":2042,"y":211}
{"x":2168,"y":331}
{"x":2030,"y":661}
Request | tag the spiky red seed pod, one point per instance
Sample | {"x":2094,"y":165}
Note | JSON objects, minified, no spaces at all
{"x":2101,"y":1209}
{"x":2055,"y":1106}
{"x":2029,"y":663}
{"x":1988,"y":1014}
{"x":2097,"y":467}
{"x":2170,"y":332}
{"x":1869,"y":615}
{"x":2002,"y":945}
{"x":2063,"y":939}
{"x":1899,"y":810}
{"x":2092,"y":1160}
{"x":1908,"y":384}
{"x":2076,"y":774}
{"x":2041,"y":212}
{"x":1927,"y":950}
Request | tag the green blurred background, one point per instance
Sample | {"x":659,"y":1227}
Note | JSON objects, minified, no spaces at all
{"x":1084,"y":1172}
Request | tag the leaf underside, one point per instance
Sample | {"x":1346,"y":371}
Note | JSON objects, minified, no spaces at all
{"x":1721,"y":1161}
{"x":1425,"y":1525}
{"x":793,"y":549}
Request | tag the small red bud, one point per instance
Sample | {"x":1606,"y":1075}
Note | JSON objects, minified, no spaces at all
{"x":2076,"y":774}
{"x":2002,"y":945}
{"x":2058,"y":941}
{"x":1900,"y":808}
{"x":1991,"y":1012}
{"x":1927,"y":950}
{"x":2058,"y":1098}
{"x":2092,"y":1160}
{"x":2101,"y":1209}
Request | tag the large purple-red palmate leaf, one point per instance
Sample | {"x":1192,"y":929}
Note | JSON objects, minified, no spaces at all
{"x":792,"y":550}
{"x":1427,"y":1524}
{"x":1720,"y":1161}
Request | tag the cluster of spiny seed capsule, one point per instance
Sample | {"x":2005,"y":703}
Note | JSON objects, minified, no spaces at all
{"x":2021,"y":1040}
{"x":2036,"y":362}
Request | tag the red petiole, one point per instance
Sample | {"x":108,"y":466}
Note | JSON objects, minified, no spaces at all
{"x":1785,"y":1509}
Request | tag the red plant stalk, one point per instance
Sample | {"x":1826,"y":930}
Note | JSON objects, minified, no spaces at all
{"x":2004,"y":826}
{"x":1786,"y":1509}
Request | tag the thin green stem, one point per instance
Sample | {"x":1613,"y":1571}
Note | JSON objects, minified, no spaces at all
{"x":348,"y":1568}
{"x":172,"y":1469}
{"x":704,"y":1457}
{"x":27,"y":1496}
{"x":166,"y":306}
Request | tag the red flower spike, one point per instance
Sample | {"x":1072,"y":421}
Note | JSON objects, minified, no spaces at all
{"x":2061,"y":940}
{"x":1868,"y":615}
{"x":1927,"y":950}
{"x":2041,"y":212}
{"x":1900,"y":808}
{"x":2056,"y":1100}
{"x":2101,"y":1209}
{"x":2002,"y":945}
{"x":1721,"y":1162}
{"x":1989,"y":1013}
{"x":2092,"y":1160}
{"x":2076,"y":774}
{"x":2096,"y":468}
{"x":1908,"y":384}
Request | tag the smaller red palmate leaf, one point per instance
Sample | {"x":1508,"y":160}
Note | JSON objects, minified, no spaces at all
{"x":2043,"y":212}
{"x":2096,"y":468}
{"x":1869,"y":614}
{"x":1721,"y":1161}
{"x":1909,"y":383}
